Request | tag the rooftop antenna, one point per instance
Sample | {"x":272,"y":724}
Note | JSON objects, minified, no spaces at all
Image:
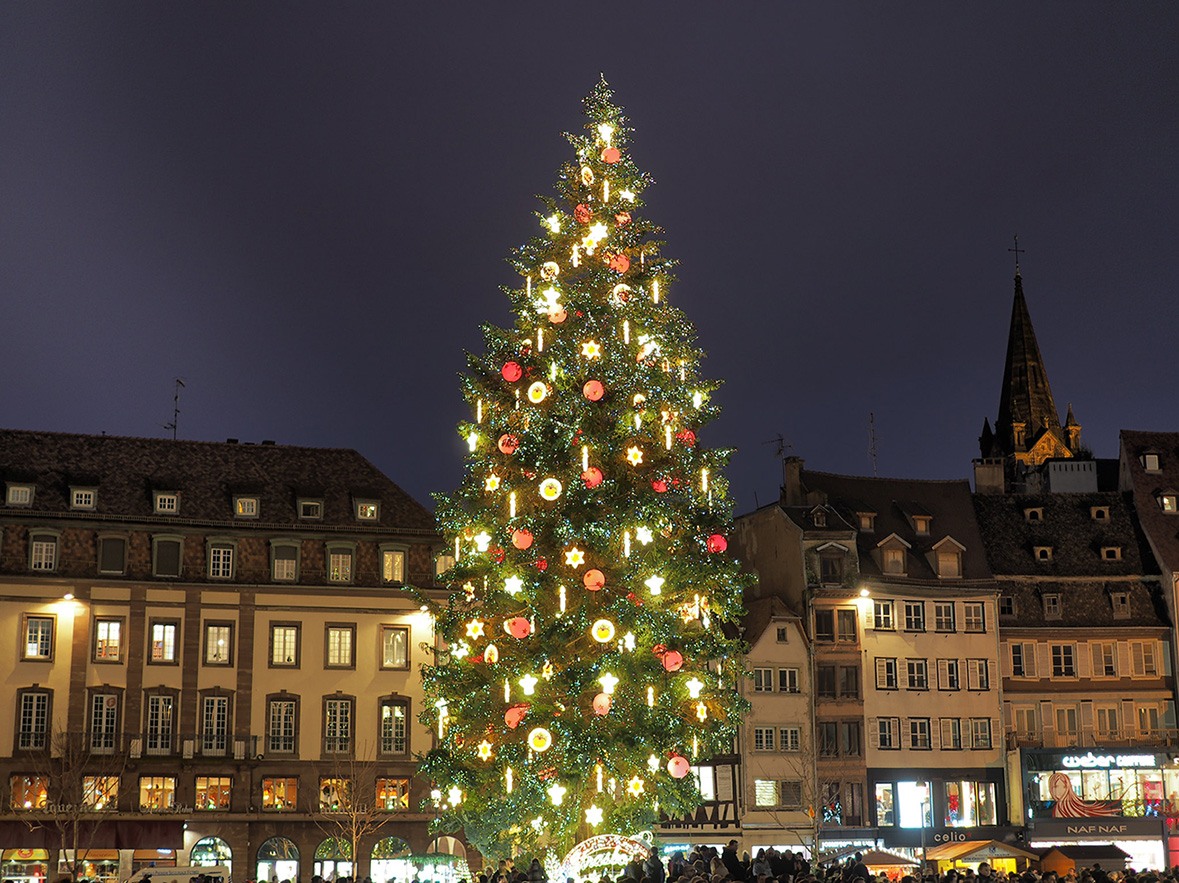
{"x":781,"y":446}
{"x":175,"y":407}
{"x":872,"y":450}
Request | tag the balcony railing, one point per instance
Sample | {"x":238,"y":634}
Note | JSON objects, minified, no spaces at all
{"x":1160,"y":738}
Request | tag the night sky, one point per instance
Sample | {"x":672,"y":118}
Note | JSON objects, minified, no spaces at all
{"x":303,"y":211}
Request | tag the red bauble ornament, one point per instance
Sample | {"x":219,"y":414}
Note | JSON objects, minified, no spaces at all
{"x":547,"y":773}
{"x":659,"y":485}
{"x":634,"y":599}
{"x":678,"y":766}
{"x":514,"y":716}
{"x":475,"y":660}
{"x":542,"y":564}
{"x":687,"y":437}
{"x":508,"y":443}
{"x":582,"y":214}
{"x":673,"y":660}
{"x":619,"y":263}
{"x":717,"y":543}
{"x":512,"y":371}
{"x":659,"y":649}
{"x":602,"y":703}
{"x":522,"y":538}
{"x":558,"y":316}
{"x":497,"y":555}
{"x":623,"y":218}
{"x":519,"y":627}
{"x":592,"y":477}
{"x":593,"y":390}
{"x":611,"y":155}
{"x":594,"y":580}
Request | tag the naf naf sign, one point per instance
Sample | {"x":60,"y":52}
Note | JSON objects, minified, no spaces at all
{"x":1111,"y":828}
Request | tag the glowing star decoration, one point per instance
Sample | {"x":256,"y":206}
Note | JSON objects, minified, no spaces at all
{"x":626,"y":195}
{"x":537,"y":392}
{"x":591,"y":350}
{"x":460,"y":650}
{"x":644,"y":535}
{"x":593,"y":816}
{"x":492,"y":482}
{"x":634,"y":455}
{"x":554,"y":223}
{"x":655,"y":584}
{"x":606,"y":133}
{"x":482,"y":541}
{"x":546,"y":671}
{"x":474,"y":629}
{"x":469,"y":590}
{"x":549,"y":301}
{"x":550,"y":489}
{"x":456,"y":795}
{"x":653,"y":763}
{"x":556,"y":794}
{"x":513,"y":585}
{"x":694,"y":687}
{"x":528,"y":684}
{"x":701,"y":711}
{"x":608,"y":682}
{"x":574,"y":557}
{"x":628,"y":641}
{"x":635,"y":787}
{"x":540,"y":740}
{"x":602,"y":631}
{"x":473,"y":441}
{"x":484,"y":750}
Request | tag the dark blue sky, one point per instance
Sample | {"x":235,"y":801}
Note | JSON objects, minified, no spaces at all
{"x":303,"y":210}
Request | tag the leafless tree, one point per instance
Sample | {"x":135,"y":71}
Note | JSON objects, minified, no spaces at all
{"x":349,"y":810}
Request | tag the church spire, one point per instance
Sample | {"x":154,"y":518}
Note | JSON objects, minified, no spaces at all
{"x":1026,"y":408}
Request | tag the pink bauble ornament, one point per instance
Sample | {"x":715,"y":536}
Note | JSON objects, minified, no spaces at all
{"x":678,"y":766}
{"x":511,"y":371}
{"x":717,"y":543}
{"x":611,"y":155}
{"x":508,"y":443}
{"x":522,"y":538}
{"x":619,"y":263}
{"x":519,"y":627}
{"x":594,"y":580}
{"x":602,"y":703}
{"x":592,"y":477}
{"x":514,"y":716}
{"x":582,"y":214}
{"x":687,"y":437}
{"x":673,"y":660}
{"x":558,"y":316}
{"x":623,"y":218}
{"x":593,"y":390}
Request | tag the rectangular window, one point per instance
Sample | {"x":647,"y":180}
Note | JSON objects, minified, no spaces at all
{"x":339,"y":643}
{"x":215,"y":726}
{"x":43,"y":553}
{"x":108,"y":640}
{"x":763,"y":738}
{"x":849,"y":681}
{"x":1148,"y":720}
{"x":393,"y":795}
{"x":765,"y":792}
{"x":1026,"y":726}
{"x":112,"y":554}
{"x":1052,"y":607}
{"x":284,"y":646}
{"x":104,"y":722}
{"x":1023,"y":660}
{"x":340,"y":566}
{"x":763,"y":680}
{"x":32,"y":720}
{"x":917,"y":672}
{"x":825,"y":681}
{"x":886,"y":673}
{"x":367,"y":510}
{"x":334,"y":794}
{"x":220,"y":562}
{"x":280,"y":795}
{"x":888,"y":731}
{"x":159,"y":724}
{"x":705,"y":777}
{"x":38,"y":638}
{"x":1064,"y":663}
{"x":850,"y":739}
{"x":163,"y":642}
{"x":29,"y":792}
{"x":157,"y":793}
{"x":974,"y":616}
{"x":394,"y":722}
{"x":825,"y":625}
{"x":949,"y":563}
{"x":1105,"y":659}
{"x":790,"y":738}
{"x":914,"y":616}
{"x":1142,"y":659}
{"x":951,"y":729}
{"x":830,"y":569}
{"x":245,"y":507}
{"x":1066,"y":721}
{"x":393,"y":565}
{"x":311,"y":509}
{"x":790,"y":794}
{"x":1107,"y":721}
{"x":337,"y":726}
{"x":20,"y":495}
{"x":980,"y":733}
{"x":783,"y":635}
{"x":978,"y":674}
{"x":1006,"y":605}
{"x":846,"y":623}
{"x":166,"y":557}
{"x":213,"y":793}
{"x":100,"y":793}
{"x":82,"y":498}
{"x":395,"y":647}
{"x":947,"y":675}
{"x":828,"y":734}
{"x":919,"y":733}
{"x":788,"y":680}
{"x":280,"y":726}
{"x":218,"y":643}
{"x":882,"y":616}
{"x":167,"y":504}
{"x":943,"y":616}
{"x":894,"y":560}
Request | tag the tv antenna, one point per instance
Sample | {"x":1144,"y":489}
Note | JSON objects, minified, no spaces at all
{"x":872,"y":450}
{"x":175,"y":407}
{"x":781,"y":446}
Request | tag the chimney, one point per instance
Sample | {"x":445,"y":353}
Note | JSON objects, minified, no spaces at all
{"x":792,"y":494}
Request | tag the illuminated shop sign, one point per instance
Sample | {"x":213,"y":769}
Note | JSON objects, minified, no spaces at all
{"x":1090,"y":760}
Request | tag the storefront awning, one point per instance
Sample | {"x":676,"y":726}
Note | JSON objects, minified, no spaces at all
{"x":879,"y":858}
{"x":122,"y":834}
{"x":978,"y":851}
{"x":25,"y":855}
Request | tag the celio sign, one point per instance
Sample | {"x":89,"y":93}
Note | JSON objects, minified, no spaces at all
{"x":1090,"y":760}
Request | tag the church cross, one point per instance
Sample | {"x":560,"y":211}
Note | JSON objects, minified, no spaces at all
{"x":1018,"y":251}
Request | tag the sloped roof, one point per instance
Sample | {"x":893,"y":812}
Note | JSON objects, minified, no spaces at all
{"x":1083,"y":604}
{"x":947,"y":503}
{"x":1026,"y":396}
{"x":126,"y":471}
{"x":1163,"y":528}
{"x":760,"y":613}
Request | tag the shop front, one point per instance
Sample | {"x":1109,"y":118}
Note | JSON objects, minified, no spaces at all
{"x":908,"y":801}
{"x":25,"y":865}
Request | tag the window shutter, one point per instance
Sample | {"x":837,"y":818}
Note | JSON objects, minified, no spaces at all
{"x":874,"y":731}
{"x":1124,"y":658}
{"x":1005,"y":659}
{"x":1043,"y":659}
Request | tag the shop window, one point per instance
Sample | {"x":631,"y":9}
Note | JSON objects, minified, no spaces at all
{"x":280,"y":794}
{"x":100,"y":793}
{"x":157,"y":793}
{"x":29,"y":792}
{"x":334,"y":794}
{"x":393,"y":795}
{"x":213,"y":792}
{"x":885,"y":815}
{"x":913,"y":805}
{"x":970,"y":804}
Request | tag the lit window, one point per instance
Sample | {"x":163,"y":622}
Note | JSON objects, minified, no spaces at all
{"x":393,"y":565}
{"x":218,"y":643}
{"x":921,"y":524}
{"x":108,"y":642}
{"x":1150,"y":462}
{"x":284,"y":562}
{"x":367,"y":510}
{"x":100,"y":793}
{"x":245,"y":507}
{"x":220,"y":561}
{"x":443,"y":563}
{"x":394,"y":647}
{"x":82,"y":498}
{"x":157,"y":793}
{"x":394,"y":726}
{"x":339,"y":645}
{"x":42,"y":552}
{"x":284,"y":646}
{"x":163,"y":642}
{"x":167,"y":503}
{"x":393,"y":795}
{"x":29,"y":792}
{"x":339,"y":565}
{"x":213,"y":792}
{"x":281,"y":728}
{"x":1169,"y":502}
{"x":279,"y":795}
{"x":337,"y":726}
{"x":334,"y":794}
{"x":20,"y":495}
{"x":765,"y":792}
{"x":38,"y":638}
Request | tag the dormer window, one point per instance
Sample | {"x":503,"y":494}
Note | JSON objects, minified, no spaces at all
{"x":831,"y":566}
{"x":948,"y":558}
{"x":19,"y":495}
{"x":867,"y":520}
{"x":1052,"y":607}
{"x":1006,"y":605}
{"x":245,"y":507}
{"x":310,"y":510}
{"x":819,"y":517}
{"x":1033,"y":514}
{"x":1099,"y":513}
{"x":1150,"y":461}
{"x":367,"y":510}
{"x":1042,"y":553}
{"x":1111,"y":553}
{"x":1121,"y":604}
{"x":166,"y":503}
{"x":893,"y":560}
{"x":1169,"y":502}
{"x":921,"y":524}
{"x":83,"y":497}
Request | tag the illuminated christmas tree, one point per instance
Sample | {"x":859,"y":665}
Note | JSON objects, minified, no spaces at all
{"x":586,"y":667}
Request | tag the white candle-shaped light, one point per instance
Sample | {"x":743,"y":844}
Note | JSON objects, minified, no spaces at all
{"x":626,"y":543}
{"x":605,"y":191}
{"x":561,"y":598}
{"x":512,"y":505}
{"x":540,"y":341}
{"x":584,"y":457}
{"x":655,"y":290}
{"x":650,"y":697}
{"x":638,"y":421}
{"x":667,"y":436}
{"x":626,"y":330}
{"x":507,"y":690}
{"x":508,"y":780}
{"x":576,"y":255}
{"x":598,"y":771}
{"x":695,"y":747}
{"x":683,"y":372}
{"x":479,"y":411}
{"x":704,"y":480}
{"x":456,"y":549}
{"x":528,"y":287}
